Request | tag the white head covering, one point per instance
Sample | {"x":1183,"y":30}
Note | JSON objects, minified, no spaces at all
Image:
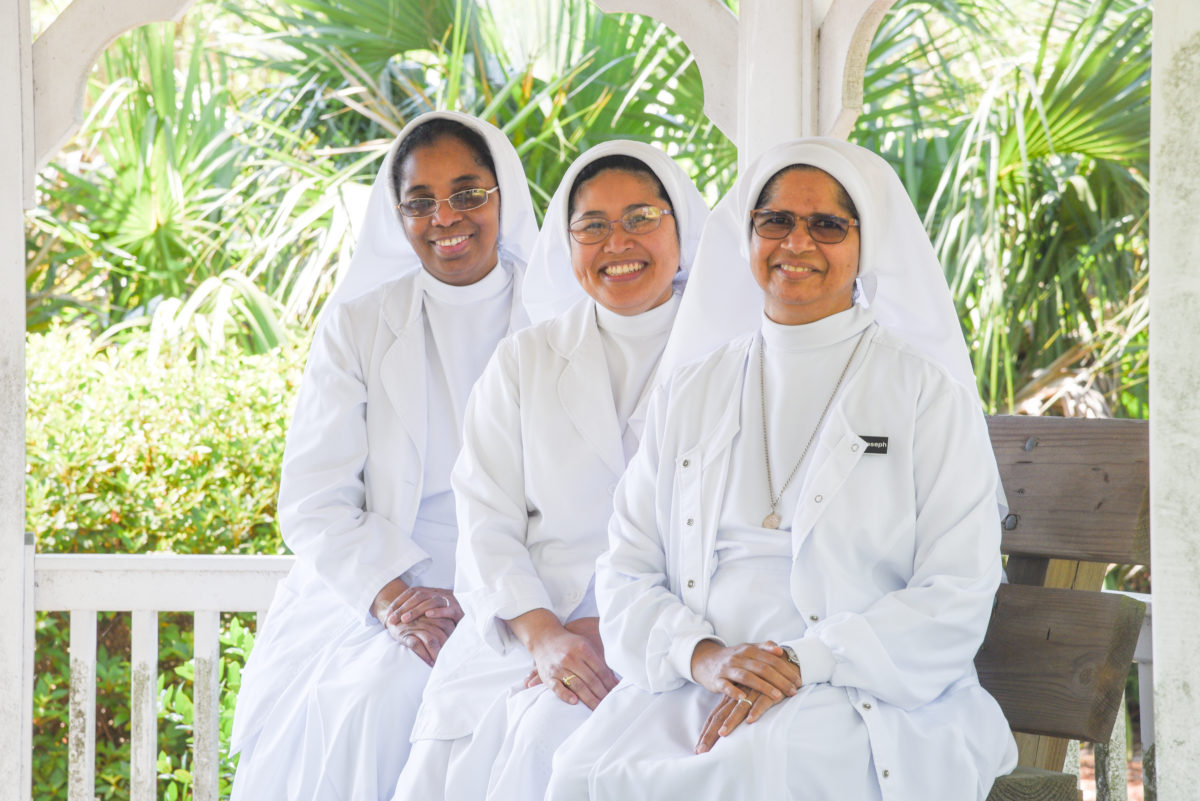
{"x":899,"y":275}
{"x":383,"y":254}
{"x":551,"y":287}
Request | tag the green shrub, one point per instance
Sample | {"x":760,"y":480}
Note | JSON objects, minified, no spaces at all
{"x":128,"y":454}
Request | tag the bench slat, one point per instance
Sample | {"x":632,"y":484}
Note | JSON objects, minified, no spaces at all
{"x":81,"y":736}
{"x":1056,"y":660}
{"x":1077,"y":490}
{"x":206,"y":712}
{"x":1032,"y":784}
{"x":143,"y":746}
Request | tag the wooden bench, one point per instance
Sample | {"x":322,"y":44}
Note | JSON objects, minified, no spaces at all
{"x":1057,"y":651}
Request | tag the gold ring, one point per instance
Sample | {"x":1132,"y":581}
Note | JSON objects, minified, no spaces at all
{"x":567,"y":679}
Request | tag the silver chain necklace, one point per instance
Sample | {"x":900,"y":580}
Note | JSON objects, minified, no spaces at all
{"x":772,"y":520}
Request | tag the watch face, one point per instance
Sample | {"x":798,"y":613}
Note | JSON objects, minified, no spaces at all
{"x":790,"y":654}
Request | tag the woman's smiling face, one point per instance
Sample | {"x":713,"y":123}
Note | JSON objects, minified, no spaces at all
{"x":626,"y":273}
{"x":804,"y":280}
{"x":455,"y":247}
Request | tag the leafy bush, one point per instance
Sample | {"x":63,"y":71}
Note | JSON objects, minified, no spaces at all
{"x":128,"y":456}
{"x":131,"y":454}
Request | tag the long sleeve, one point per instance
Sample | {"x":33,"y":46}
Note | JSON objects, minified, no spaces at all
{"x":496,"y":579}
{"x":649,"y":632}
{"x":323,"y":498}
{"x":912,"y":643}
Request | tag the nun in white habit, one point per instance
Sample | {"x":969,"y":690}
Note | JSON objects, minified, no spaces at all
{"x":550,"y":426}
{"x":804,"y":551}
{"x":330,"y":692}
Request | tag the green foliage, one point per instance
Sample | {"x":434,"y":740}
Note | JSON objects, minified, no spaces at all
{"x":128,"y":455}
{"x":1029,"y":153}
{"x":143,"y":217}
{"x":175,"y":691}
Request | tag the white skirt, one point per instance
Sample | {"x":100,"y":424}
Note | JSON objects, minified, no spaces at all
{"x":328,"y":698}
{"x":810,"y":747}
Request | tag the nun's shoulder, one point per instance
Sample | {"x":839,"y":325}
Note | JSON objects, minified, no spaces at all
{"x":720,"y":368}
{"x":904,"y":364}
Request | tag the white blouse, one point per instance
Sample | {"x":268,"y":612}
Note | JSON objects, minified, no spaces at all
{"x":633,"y":346}
{"x":462,"y":326}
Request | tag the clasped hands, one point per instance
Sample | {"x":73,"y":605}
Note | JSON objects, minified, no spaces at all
{"x":750,"y":678}
{"x":569,"y":659}
{"x":419,"y":618}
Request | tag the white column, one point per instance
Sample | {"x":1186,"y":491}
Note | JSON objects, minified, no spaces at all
{"x":1174,"y":390}
{"x":16,"y":191}
{"x":777,"y":73}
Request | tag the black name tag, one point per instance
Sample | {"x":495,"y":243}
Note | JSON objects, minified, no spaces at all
{"x":875,"y":444}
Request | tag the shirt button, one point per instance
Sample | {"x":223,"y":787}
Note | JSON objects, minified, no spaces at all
{"x":886,"y":773}
{"x":814,"y":618}
{"x":686,"y":462}
{"x":819,"y":498}
{"x":691,"y":583}
{"x":866,"y":706}
{"x":690,"y":521}
{"x":854,"y":447}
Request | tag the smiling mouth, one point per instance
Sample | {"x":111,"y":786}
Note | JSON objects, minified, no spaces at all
{"x":623,"y":268}
{"x":797,"y":269}
{"x":451,"y":241}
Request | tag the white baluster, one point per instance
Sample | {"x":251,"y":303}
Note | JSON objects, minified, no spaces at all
{"x":205,"y":707}
{"x":81,"y":748}
{"x":143,"y":757}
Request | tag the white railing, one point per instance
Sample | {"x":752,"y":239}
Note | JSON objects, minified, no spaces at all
{"x":145,"y":585}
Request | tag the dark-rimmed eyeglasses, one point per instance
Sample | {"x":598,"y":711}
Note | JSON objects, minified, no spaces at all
{"x":465,"y":200}
{"x":594,"y":230}
{"x":828,"y":229}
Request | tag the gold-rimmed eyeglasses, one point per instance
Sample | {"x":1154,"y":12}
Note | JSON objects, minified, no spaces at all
{"x":594,"y":230}
{"x":466,"y":200}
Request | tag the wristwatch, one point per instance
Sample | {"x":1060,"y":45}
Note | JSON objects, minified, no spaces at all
{"x":790,"y":654}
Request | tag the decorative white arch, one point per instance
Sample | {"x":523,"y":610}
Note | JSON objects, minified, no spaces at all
{"x":63,"y":57}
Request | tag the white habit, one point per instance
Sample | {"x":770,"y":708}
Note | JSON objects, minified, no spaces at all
{"x":328,"y":698}
{"x":882,"y":576}
{"x":882,"y":582}
{"x":549,"y":429}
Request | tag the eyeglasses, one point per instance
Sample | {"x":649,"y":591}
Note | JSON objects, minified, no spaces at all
{"x":824,"y":228}
{"x":465,"y":200}
{"x":594,"y":230}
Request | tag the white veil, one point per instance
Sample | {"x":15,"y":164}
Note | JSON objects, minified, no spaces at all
{"x":899,"y":275}
{"x":550,"y":286}
{"x":383,"y":254}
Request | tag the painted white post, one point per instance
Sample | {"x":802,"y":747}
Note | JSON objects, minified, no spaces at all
{"x":777,"y":73}
{"x":1174,"y":388}
{"x":16,"y":609}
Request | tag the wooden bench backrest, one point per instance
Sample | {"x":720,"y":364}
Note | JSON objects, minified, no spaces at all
{"x":1057,"y":651}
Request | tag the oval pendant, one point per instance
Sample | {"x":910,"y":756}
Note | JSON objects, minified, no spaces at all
{"x":771,"y":521}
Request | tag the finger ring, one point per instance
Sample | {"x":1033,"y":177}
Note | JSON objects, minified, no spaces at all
{"x":446,"y":601}
{"x":745,"y":701}
{"x":567,"y":679}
